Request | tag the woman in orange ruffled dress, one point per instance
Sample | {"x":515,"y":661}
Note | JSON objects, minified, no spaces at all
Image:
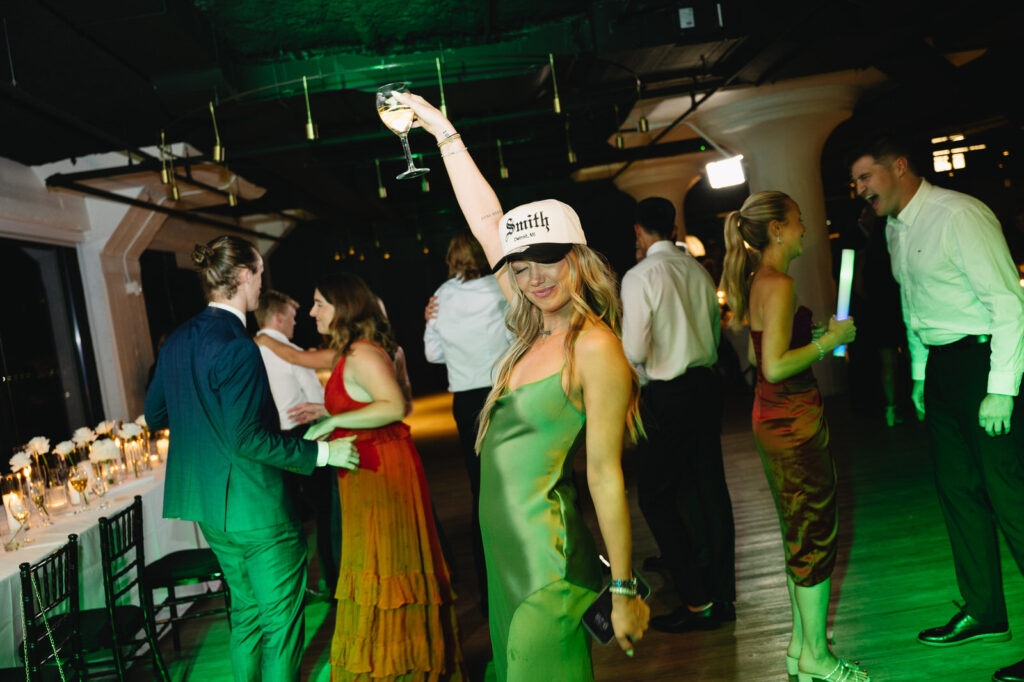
{"x":395,"y":618}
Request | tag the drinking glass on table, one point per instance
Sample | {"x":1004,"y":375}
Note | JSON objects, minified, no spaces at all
{"x":78,"y":479}
{"x":98,"y":486}
{"x":35,"y":488}
{"x":16,"y":505}
{"x":398,"y":118}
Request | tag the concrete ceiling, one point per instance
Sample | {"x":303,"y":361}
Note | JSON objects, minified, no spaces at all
{"x":80,"y":78}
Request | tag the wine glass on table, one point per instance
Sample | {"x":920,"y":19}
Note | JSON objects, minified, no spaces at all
{"x":35,"y":486}
{"x":17,"y":506}
{"x":398,"y":118}
{"x":78,"y":479}
{"x":98,"y":487}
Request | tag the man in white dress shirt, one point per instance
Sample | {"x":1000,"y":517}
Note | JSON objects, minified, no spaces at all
{"x":964,"y":311}
{"x":291,"y":386}
{"x":670,"y":332}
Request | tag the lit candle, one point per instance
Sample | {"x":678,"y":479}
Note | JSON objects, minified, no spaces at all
{"x":161,"y":447}
{"x":56,"y":498}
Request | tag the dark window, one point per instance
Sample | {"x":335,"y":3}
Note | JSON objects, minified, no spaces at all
{"x":48,"y":381}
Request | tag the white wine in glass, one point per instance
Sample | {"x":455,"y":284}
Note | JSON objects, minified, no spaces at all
{"x":79,"y":481}
{"x":398,"y":118}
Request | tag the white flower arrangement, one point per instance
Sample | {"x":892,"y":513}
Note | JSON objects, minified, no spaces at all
{"x":141,"y":421}
{"x":64,"y":448}
{"x":83,"y":435}
{"x":21,"y":460}
{"x":40,"y":445}
{"x":105,"y":428}
{"x":128,"y":431}
{"x":104,"y":450}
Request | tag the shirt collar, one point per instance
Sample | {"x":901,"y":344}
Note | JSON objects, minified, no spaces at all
{"x":224,"y":306}
{"x":662,"y":245}
{"x":274,"y":334}
{"x":910,"y":212}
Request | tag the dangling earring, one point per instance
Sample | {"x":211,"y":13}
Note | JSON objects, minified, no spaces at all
{"x":778,"y":239}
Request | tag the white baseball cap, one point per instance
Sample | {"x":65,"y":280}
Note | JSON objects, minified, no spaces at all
{"x":542,"y":231}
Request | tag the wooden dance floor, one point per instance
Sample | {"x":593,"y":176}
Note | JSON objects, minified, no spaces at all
{"x":894,"y":574}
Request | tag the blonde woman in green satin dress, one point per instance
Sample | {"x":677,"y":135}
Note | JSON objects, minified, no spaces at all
{"x":564,"y":383}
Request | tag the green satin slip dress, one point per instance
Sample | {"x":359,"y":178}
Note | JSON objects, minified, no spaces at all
{"x":542,"y":566}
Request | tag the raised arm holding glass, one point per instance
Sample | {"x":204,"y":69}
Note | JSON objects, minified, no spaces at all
{"x":564,"y":381}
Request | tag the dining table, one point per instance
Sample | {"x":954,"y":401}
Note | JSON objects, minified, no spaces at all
{"x":161,"y":537}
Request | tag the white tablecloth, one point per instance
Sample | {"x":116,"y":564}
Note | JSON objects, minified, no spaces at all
{"x":162,"y":536}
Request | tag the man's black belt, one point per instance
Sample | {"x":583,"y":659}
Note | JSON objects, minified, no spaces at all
{"x":969,"y":341}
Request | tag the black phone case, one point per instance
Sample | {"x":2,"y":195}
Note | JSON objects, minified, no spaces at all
{"x":598,"y":616}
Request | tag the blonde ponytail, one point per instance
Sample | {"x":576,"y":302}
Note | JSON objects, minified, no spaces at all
{"x":746,"y":234}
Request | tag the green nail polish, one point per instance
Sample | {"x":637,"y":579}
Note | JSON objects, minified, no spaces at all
{"x":629,"y":653}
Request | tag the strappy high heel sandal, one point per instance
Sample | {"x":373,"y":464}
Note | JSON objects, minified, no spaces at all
{"x":845,"y":671}
{"x":792,"y":668}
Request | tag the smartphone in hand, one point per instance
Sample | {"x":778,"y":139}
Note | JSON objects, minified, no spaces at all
{"x":598,"y":616}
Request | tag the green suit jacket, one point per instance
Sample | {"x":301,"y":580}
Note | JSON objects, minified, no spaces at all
{"x":227,"y":457}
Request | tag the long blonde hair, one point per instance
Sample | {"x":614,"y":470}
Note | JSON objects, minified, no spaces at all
{"x":748,"y":227}
{"x":594,"y":298}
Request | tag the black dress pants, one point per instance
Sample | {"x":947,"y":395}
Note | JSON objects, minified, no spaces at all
{"x":683,"y":493}
{"x":466,"y":406}
{"x":980,"y":478}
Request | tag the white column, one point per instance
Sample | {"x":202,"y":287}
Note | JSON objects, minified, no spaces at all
{"x":780,"y":130}
{"x":670,"y":177}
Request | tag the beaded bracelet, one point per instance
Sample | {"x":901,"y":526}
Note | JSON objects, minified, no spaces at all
{"x":625,"y":591}
{"x":821,"y":351}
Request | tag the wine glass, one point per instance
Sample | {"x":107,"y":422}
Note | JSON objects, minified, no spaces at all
{"x":398,"y":118}
{"x":78,"y":479}
{"x":98,"y":486}
{"x":35,"y":486}
{"x":20,"y":511}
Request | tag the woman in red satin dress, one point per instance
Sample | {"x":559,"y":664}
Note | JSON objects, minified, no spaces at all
{"x":788,"y":421}
{"x":395,"y":618}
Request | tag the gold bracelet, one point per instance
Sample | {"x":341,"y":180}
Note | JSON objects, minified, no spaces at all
{"x":449,"y":138}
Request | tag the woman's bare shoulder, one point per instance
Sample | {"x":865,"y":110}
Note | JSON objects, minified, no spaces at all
{"x":598,"y":342}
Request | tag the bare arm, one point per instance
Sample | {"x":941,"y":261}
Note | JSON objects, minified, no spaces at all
{"x":479,"y":204}
{"x":314,"y":359}
{"x":778,"y":360}
{"x":604,"y":377}
{"x":369,"y":369}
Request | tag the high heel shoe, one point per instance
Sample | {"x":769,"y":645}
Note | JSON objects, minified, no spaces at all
{"x":845,"y":671}
{"x":892,"y":417}
{"x":792,"y":668}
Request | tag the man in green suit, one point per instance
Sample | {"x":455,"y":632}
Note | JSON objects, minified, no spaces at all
{"x":227,"y":458}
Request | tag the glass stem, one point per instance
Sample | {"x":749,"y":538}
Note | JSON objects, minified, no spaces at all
{"x":408,"y":154}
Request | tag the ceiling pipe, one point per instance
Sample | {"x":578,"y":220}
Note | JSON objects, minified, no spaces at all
{"x":146,"y":166}
{"x":695,"y":103}
{"x":65,"y":182}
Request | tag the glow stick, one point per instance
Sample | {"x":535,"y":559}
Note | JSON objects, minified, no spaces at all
{"x":845,"y":285}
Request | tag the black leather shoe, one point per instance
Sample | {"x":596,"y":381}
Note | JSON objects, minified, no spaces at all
{"x":961,"y":629}
{"x":1011,"y":673}
{"x":685,"y":620}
